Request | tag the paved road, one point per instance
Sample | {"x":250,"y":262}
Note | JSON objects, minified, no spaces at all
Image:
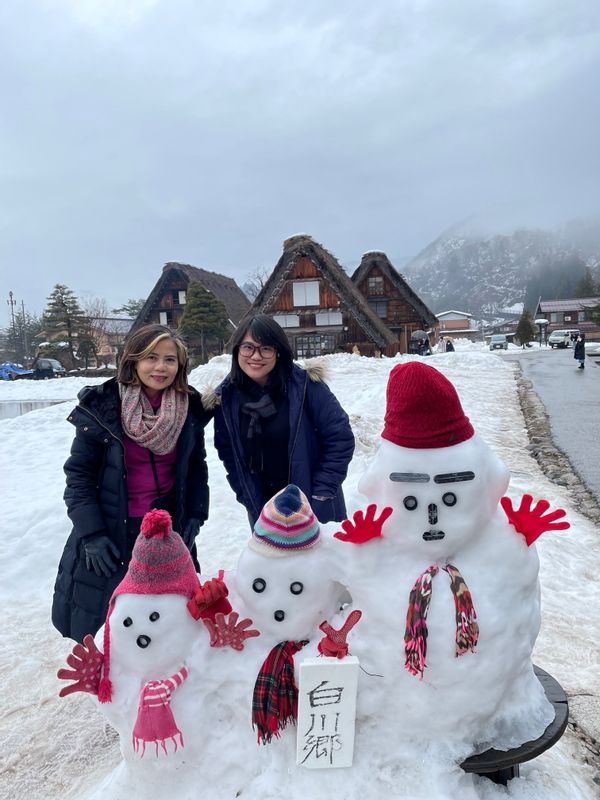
{"x":572,"y":400}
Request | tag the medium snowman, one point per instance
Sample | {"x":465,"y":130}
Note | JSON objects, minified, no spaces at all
{"x":138,"y":666}
{"x":447,"y":576}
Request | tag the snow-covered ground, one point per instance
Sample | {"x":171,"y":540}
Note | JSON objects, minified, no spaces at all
{"x":53,"y":748}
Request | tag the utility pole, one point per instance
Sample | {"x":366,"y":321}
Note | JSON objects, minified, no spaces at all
{"x":25,"y":342}
{"x":11,"y":304}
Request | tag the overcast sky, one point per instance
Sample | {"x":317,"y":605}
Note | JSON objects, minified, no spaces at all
{"x":135,"y":132}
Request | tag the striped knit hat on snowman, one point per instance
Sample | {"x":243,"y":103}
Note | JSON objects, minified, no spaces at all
{"x":286,"y":525}
{"x":160,"y":564}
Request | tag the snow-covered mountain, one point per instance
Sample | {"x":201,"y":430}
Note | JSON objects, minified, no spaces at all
{"x":477,"y":272}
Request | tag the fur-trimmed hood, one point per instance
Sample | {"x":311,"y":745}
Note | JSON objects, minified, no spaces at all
{"x":315,"y":367}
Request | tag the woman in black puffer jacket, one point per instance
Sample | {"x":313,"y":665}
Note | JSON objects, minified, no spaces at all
{"x":114,"y":477}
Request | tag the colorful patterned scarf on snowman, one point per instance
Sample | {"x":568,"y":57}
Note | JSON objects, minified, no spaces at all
{"x":275,"y":696}
{"x":155,"y":721}
{"x":415,"y":635}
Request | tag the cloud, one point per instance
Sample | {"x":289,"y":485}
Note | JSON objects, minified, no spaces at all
{"x":138,"y":132}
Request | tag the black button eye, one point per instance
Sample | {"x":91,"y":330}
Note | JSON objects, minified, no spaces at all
{"x":127,"y":622}
{"x":410,"y":503}
{"x":154,"y":616}
{"x":449,"y":499}
{"x":259,"y":585}
{"x":296,"y":587}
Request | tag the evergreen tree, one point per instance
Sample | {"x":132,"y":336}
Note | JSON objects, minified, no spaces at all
{"x":132,"y":307}
{"x":204,"y":322}
{"x":525,"y":328}
{"x":18,"y":337}
{"x":586,"y":286}
{"x":64,"y":319}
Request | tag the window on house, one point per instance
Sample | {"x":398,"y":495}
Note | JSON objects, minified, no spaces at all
{"x":379,"y":307}
{"x":328,"y":317}
{"x":308,"y":346}
{"x":287,"y":320}
{"x":182,"y":297}
{"x":554,"y":317}
{"x":165,"y":318}
{"x":306,"y":293}
{"x":569,"y":318}
{"x":375,"y":285}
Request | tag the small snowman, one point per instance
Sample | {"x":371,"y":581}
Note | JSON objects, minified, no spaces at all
{"x":137,"y":666}
{"x":446,"y":581}
{"x":285,"y":582}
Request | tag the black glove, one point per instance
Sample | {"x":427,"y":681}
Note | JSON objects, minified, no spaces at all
{"x":190,"y":531}
{"x":101,"y":555}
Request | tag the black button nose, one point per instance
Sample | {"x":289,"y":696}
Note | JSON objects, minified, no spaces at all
{"x":279,"y":615}
{"x":143,"y":641}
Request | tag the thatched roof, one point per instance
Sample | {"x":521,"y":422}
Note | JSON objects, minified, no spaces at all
{"x":303,"y":245}
{"x":379,"y":259}
{"x":225,"y":289}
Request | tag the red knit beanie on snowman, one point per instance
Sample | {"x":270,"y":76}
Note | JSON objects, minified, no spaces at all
{"x":160,"y":564}
{"x":423,"y":410}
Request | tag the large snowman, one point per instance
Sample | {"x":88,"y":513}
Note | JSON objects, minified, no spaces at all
{"x":448,"y":587}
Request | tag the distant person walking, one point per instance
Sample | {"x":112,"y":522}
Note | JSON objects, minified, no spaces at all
{"x":441,"y":348}
{"x":579,"y":350}
{"x":449,"y":346}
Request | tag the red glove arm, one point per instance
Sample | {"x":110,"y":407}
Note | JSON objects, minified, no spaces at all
{"x":365,"y":526}
{"x":228,"y":632}
{"x":210,"y":599}
{"x":334,"y":644}
{"x":532,"y":522}
{"x":86,"y":662}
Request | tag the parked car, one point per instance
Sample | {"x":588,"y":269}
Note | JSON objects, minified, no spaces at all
{"x":499,"y":342}
{"x":47,"y":368}
{"x":563,"y":338}
{"x":10,"y":371}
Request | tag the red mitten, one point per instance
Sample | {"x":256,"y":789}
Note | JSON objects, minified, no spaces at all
{"x":333,"y":644}
{"x":86,"y":661}
{"x":365,"y":526}
{"x":210,"y":599}
{"x":532,"y":522}
{"x":228,"y":632}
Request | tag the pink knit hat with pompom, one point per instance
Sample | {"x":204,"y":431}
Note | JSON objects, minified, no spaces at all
{"x":160,"y":564}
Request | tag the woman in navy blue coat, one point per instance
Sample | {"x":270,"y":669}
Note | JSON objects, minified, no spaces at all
{"x":277,"y":423}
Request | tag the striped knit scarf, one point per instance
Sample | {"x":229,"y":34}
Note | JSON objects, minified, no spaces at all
{"x":157,"y":432}
{"x":155,"y":722}
{"x":275,"y":696}
{"x":415,"y":636}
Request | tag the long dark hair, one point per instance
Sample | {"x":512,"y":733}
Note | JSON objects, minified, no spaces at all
{"x":141,"y":343}
{"x":265,"y":330}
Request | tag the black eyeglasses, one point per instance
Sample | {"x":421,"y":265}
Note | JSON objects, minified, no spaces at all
{"x":265,"y":350}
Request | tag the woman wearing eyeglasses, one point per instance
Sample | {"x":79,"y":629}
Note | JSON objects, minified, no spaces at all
{"x":277,"y":423}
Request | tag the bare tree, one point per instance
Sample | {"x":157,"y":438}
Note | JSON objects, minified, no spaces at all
{"x":256,"y":282}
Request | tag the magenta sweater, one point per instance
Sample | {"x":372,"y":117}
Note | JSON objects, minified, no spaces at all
{"x":141,"y":484}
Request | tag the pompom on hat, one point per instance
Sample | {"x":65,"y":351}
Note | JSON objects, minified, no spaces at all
{"x":423,"y":409}
{"x":287,"y":525}
{"x":160,"y":564}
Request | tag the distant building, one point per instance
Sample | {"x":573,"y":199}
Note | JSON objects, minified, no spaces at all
{"x":457,"y":324}
{"x":323,"y":311}
{"x":570,"y":313}
{"x":166,"y":302}
{"x":391,"y":298}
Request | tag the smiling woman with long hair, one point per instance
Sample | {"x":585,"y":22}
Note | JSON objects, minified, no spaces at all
{"x":139,"y":444}
{"x":278,"y":423}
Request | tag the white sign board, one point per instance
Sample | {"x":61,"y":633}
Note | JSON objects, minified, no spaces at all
{"x":326,"y":712}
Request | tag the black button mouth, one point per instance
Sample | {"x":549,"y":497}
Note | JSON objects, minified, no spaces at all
{"x":279,"y":616}
{"x":433,"y":536}
{"x":143,"y":641}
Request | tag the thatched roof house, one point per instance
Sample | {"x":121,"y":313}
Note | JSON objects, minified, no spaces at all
{"x":167,"y":299}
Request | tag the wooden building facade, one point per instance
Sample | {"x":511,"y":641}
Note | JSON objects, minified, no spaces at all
{"x":323,"y":310}
{"x":391,"y":298}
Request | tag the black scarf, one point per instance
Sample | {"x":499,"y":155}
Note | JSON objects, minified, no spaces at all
{"x":257,"y":410}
